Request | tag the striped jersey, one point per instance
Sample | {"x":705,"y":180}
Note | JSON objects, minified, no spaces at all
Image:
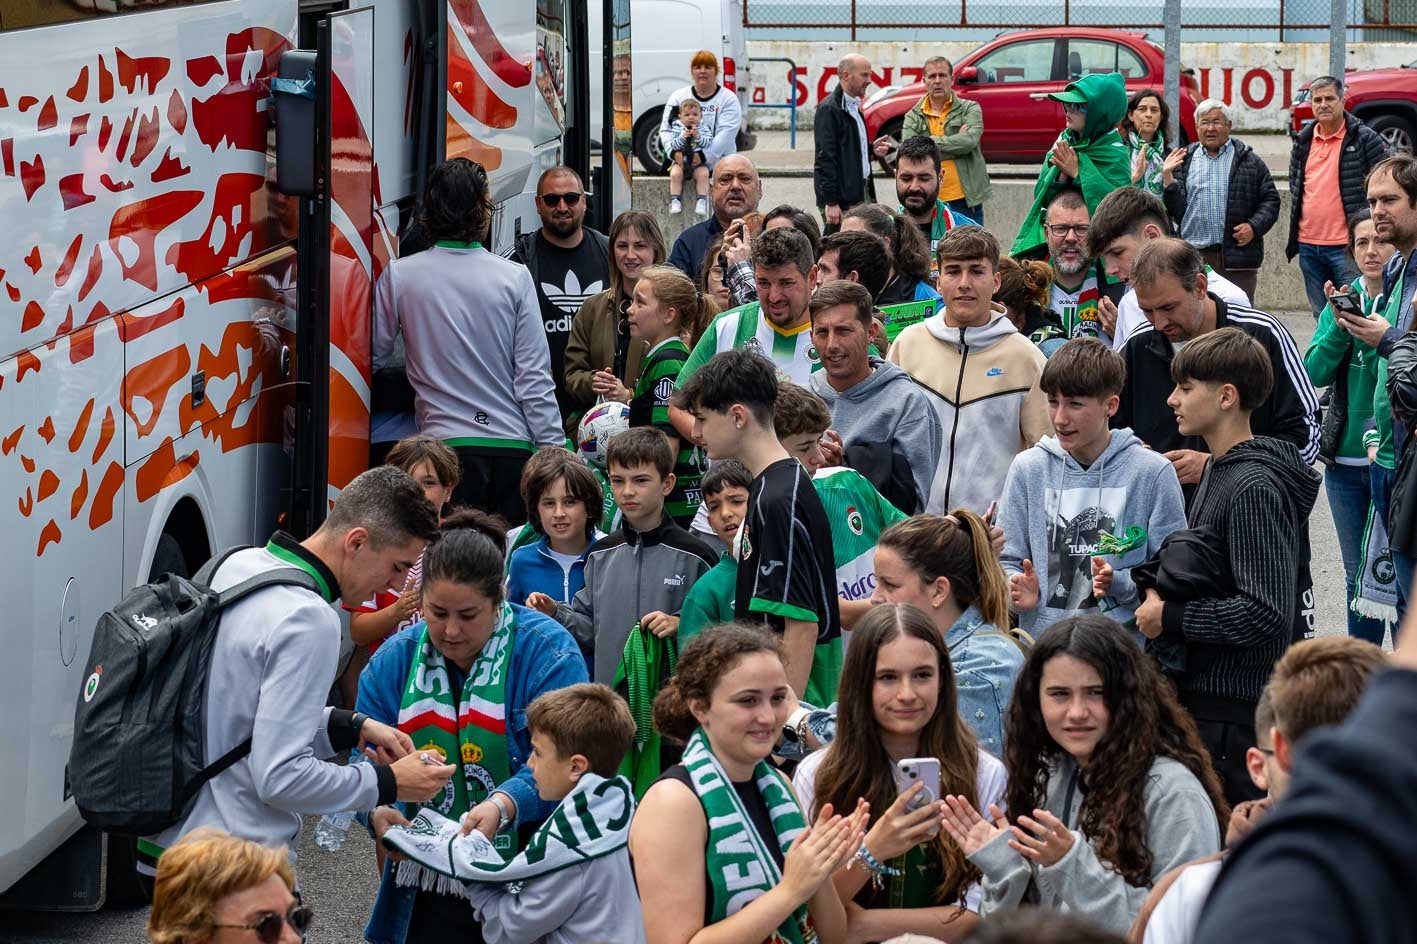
{"x":745,"y":328}
{"x":649,"y":406}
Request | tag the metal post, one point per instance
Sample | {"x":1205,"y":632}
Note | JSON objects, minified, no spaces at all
{"x":1337,"y":38}
{"x":1171,"y":17}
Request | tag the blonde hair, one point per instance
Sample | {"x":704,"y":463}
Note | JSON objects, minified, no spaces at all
{"x":674,"y":289}
{"x":195,"y":874}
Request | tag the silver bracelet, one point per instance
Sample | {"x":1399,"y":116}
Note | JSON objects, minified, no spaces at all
{"x":502,"y":809}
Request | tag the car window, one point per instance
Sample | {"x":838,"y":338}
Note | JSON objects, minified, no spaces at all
{"x":1030,"y":61}
{"x":1086,"y":56}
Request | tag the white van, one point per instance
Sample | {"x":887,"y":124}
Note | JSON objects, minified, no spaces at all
{"x":665,"y":34}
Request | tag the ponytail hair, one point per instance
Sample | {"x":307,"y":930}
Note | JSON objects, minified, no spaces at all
{"x":675,"y":290}
{"x":910,"y":253}
{"x":712,"y":655}
{"x":469,"y":551}
{"x":954,"y":546}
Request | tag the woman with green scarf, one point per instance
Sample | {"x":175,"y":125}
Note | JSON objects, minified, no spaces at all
{"x":1089,"y":155}
{"x":1144,"y":129}
{"x":459,"y":683}
{"x":721,"y":851}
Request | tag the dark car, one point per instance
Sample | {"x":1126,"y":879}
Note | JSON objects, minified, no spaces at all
{"x":1012,"y":76}
{"x":1386,"y":99}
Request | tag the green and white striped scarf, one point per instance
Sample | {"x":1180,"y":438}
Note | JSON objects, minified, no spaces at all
{"x":648,"y":660}
{"x":740,"y":868}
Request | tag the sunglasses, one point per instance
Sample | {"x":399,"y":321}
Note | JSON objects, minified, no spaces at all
{"x":1075,"y":107}
{"x":552,"y":199}
{"x":270,"y":924}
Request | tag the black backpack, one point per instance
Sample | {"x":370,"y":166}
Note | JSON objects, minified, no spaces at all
{"x":139,"y":751}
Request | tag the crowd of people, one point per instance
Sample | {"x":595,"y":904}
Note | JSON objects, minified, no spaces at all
{"x":920,"y":590}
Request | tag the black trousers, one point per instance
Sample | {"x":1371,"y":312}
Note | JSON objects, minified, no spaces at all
{"x":1227,"y":729}
{"x":491,"y":481}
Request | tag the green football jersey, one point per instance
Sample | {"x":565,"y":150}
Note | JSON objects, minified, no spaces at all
{"x":858,"y":514}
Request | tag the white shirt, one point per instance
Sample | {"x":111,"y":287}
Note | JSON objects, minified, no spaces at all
{"x":991,"y":784}
{"x":1177,"y":914}
{"x":1130,"y":317}
{"x":853,"y":108}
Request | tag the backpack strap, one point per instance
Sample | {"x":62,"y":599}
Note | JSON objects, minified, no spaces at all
{"x":204,"y":576}
{"x":282,"y":576}
{"x":213,"y":770}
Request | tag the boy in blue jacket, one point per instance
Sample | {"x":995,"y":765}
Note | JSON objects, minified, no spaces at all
{"x":563,"y":502}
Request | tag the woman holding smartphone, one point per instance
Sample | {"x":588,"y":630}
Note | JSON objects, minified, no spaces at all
{"x":898,"y":716}
{"x":1343,"y":357}
{"x":1109,"y":787}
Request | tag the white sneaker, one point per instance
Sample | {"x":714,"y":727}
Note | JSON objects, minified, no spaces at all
{"x":701,"y":206}
{"x":676,"y":206}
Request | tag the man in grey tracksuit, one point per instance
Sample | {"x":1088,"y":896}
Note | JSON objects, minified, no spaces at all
{"x":629,"y":574}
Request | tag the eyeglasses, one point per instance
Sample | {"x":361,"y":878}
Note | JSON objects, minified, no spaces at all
{"x":552,"y":199}
{"x":269,"y":925}
{"x":1061,"y":230}
{"x":1075,"y":107}
{"x":1211,"y":123}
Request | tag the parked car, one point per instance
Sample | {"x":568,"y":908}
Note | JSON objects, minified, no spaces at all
{"x":1012,"y":76}
{"x":1384,"y":98}
{"x":666,"y":34}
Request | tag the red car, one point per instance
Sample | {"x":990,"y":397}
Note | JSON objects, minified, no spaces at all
{"x":1384,"y":98}
{"x":1011,"y":77}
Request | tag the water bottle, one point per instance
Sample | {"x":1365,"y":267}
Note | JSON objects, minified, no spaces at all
{"x":332,"y":830}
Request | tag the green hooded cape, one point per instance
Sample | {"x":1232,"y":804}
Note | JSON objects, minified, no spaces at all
{"x":1104,"y":160}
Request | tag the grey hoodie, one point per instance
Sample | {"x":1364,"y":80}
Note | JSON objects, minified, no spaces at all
{"x":886,"y":422}
{"x":1180,"y":826}
{"x":1053,"y":512}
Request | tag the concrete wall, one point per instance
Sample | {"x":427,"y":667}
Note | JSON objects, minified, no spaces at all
{"x":1281,"y":286}
{"x":1258,"y":79}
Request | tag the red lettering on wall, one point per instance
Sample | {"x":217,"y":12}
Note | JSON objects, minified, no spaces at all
{"x":1228,"y":75}
{"x":1266,"y":80}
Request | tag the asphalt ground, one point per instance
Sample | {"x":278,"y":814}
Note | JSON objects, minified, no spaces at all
{"x":341,"y":886}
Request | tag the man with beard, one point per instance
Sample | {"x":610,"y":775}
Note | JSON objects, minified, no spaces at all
{"x":568,"y":261}
{"x":735,"y":191}
{"x":917,"y":185}
{"x":1078,"y":280}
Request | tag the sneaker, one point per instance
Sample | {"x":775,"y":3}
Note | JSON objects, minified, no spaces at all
{"x":701,"y":206}
{"x":676,"y":206}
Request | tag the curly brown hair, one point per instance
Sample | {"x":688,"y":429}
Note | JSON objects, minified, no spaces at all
{"x":711,"y":656}
{"x":1147,"y":722}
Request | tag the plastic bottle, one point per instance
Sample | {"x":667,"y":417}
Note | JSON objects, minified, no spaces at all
{"x":333,"y":828}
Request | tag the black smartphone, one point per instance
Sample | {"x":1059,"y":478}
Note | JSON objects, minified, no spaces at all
{"x":1346,"y":305}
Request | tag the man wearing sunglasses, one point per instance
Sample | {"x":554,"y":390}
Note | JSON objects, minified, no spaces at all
{"x":568,"y":261}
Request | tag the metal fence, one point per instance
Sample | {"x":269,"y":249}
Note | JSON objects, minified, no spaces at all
{"x":1249,"y":20}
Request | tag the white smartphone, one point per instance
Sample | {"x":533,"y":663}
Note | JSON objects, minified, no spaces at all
{"x":913,"y":770}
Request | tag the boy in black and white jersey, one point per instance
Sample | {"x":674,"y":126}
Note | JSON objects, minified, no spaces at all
{"x":786,"y":569}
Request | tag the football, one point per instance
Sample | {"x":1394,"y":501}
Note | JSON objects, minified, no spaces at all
{"x":600,"y":423}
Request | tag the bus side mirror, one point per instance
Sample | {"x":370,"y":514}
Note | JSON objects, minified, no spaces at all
{"x":293,"y":96}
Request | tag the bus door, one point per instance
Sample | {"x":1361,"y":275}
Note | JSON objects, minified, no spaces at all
{"x":331,"y":434}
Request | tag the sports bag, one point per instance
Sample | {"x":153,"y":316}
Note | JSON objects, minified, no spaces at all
{"x":139,"y":754}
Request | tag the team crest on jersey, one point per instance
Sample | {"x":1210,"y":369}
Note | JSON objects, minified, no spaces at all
{"x":664,"y":388}
{"x":853,"y":521}
{"x":812,"y":354}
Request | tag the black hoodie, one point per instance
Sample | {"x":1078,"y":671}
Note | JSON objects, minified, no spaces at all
{"x":1258,"y":496}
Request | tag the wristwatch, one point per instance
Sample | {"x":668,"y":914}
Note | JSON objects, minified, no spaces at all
{"x":356,"y":721}
{"x":792,"y":728}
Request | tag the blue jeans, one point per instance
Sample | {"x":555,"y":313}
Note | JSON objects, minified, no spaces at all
{"x":1324,"y":264}
{"x":1382,"y":482}
{"x":975,"y":213}
{"x":1349,"y":489}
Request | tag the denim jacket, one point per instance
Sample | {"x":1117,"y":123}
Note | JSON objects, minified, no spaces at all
{"x":986,"y":664}
{"x":544,"y":658}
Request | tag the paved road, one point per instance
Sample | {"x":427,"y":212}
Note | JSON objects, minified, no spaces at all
{"x":340,"y":887}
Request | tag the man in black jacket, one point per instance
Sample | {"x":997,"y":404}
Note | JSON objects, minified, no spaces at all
{"x":842,"y":167}
{"x":1170,"y":281}
{"x":1327,"y":169}
{"x":1222,"y":197}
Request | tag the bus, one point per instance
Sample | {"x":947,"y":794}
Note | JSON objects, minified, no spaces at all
{"x":200,"y":196}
